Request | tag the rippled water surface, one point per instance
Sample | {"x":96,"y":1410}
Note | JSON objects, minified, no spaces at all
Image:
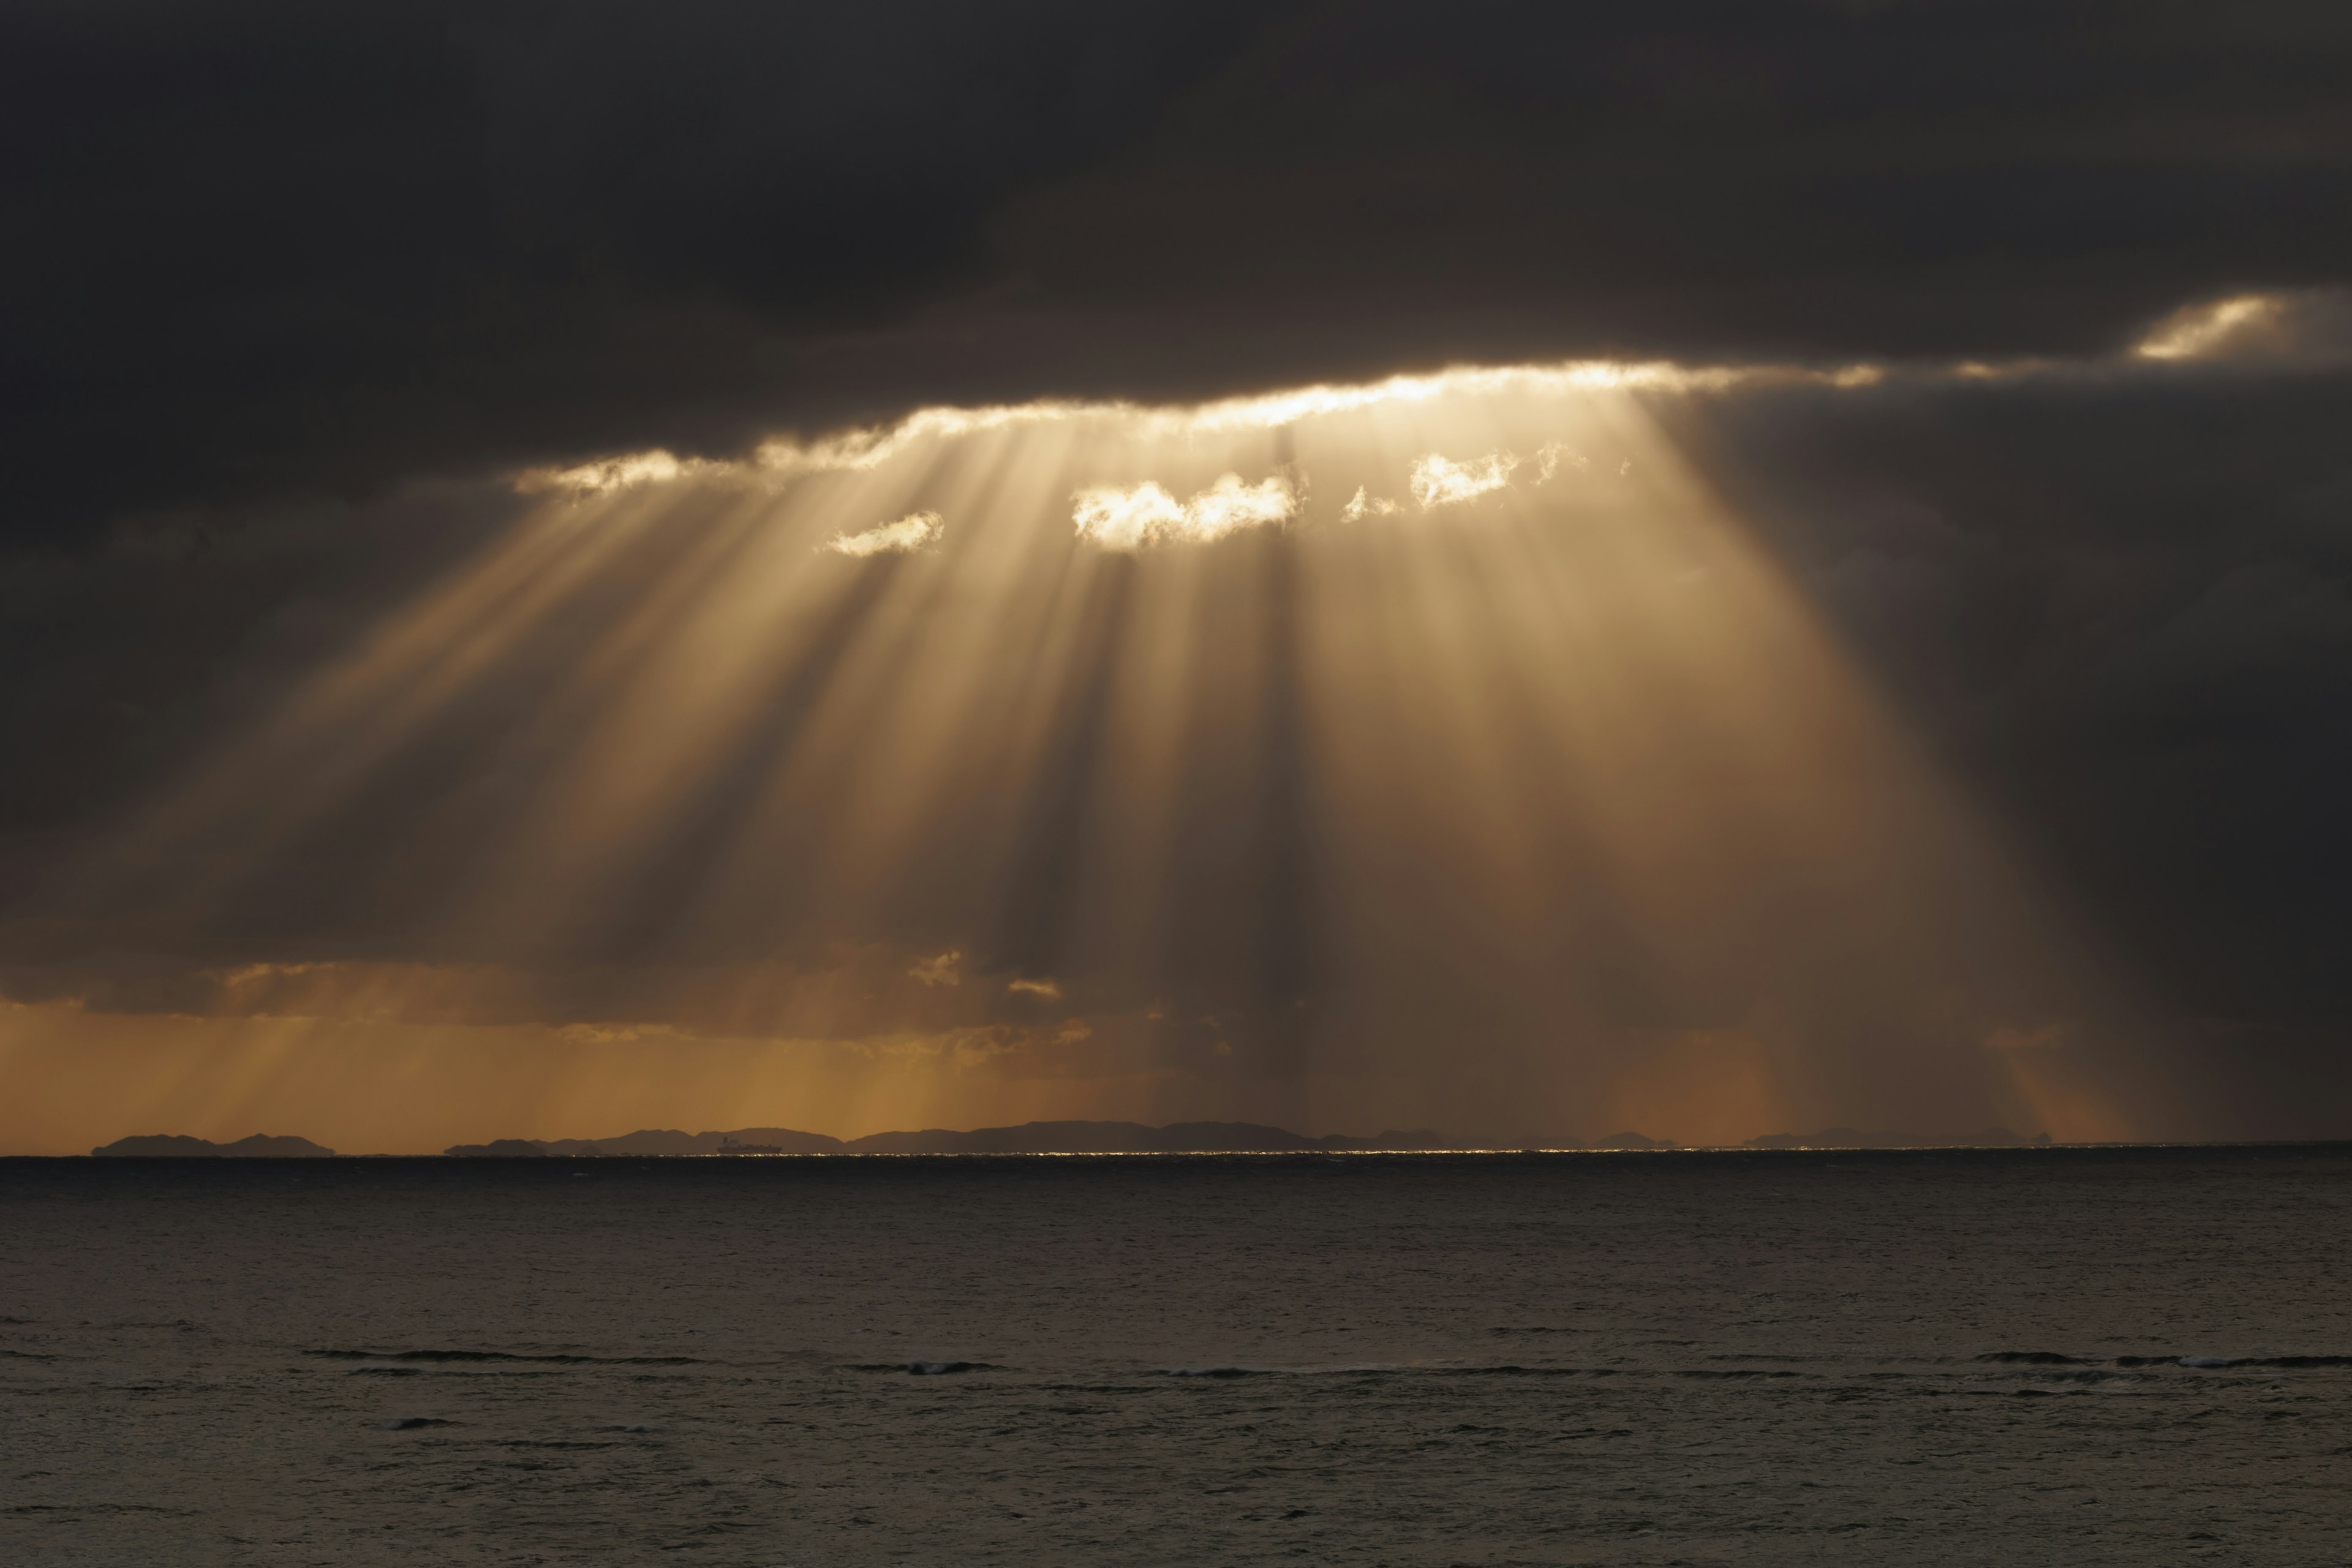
{"x":2078,"y":1356}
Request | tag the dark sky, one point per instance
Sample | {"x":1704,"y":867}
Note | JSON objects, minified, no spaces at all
{"x":286,"y":284}
{"x":260,"y":248}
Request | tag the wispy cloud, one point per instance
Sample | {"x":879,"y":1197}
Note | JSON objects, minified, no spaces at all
{"x":1359,"y":507}
{"x":1119,"y":518}
{"x":940,"y":969}
{"x":915,"y":530}
{"x":2202,"y":330}
{"x":625,"y":471}
{"x":1552,"y":455}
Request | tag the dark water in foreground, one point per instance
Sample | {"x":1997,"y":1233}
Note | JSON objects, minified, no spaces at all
{"x":1623,"y":1359}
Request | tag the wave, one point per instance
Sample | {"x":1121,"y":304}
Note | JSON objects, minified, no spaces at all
{"x":1509,"y":1370}
{"x":1725,"y":1371}
{"x":926,"y":1368}
{"x":1219,"y":1372}
{"x":411,"y":1423}
{"x":1391,"y":1370}
{"x":2167,"y":1358}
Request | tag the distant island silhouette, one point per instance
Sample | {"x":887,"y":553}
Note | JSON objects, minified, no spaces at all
{"x":1029,"y":1138}
{"x":177,"y":1144}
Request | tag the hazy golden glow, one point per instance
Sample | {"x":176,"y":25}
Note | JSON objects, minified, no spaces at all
{"x":2048,"y":1090}
{"x":1701,"y":1089}
{"x":367,"y":1086}
{"x":1357,"y":814}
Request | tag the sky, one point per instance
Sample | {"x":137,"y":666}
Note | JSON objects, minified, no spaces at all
{"x":1534,"y":571}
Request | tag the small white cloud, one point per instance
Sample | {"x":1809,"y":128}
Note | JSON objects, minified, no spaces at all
{"x":915,"y":530}
{"x":1552,"y":455}
{"x":1439,"y":481}
{"x":1046,"y":988}
{"x":1126,"y":520}
{"x":1359,"y":508}
{"x":1230,"y":505}
{"x":1131,"y":519}
{"x":1624,"y":468}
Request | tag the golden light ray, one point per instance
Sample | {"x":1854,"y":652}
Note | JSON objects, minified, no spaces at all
{"x":1445,"y":721}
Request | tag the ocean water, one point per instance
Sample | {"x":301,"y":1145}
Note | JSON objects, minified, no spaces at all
{"x":2130,"y":1357}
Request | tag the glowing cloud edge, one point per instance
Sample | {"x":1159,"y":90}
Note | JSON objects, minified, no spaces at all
{"x":2192,"y":334}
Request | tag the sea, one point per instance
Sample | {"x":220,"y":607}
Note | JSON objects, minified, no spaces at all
{"x":2090,"y":1356}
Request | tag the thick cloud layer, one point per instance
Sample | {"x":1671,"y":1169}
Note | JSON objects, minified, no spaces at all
{"x":275,"y":247}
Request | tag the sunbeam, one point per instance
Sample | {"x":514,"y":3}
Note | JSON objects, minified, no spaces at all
{"x":1517,"y":790}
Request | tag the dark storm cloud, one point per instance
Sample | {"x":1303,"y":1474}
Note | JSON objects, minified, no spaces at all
{"x":265,"y":244}
{"x":263,"y":247}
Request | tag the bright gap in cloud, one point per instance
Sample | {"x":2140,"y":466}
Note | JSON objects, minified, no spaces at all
{"x":2275,"y":325}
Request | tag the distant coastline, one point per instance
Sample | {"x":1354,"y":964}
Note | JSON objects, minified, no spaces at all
{"x":1029,"y":1138}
